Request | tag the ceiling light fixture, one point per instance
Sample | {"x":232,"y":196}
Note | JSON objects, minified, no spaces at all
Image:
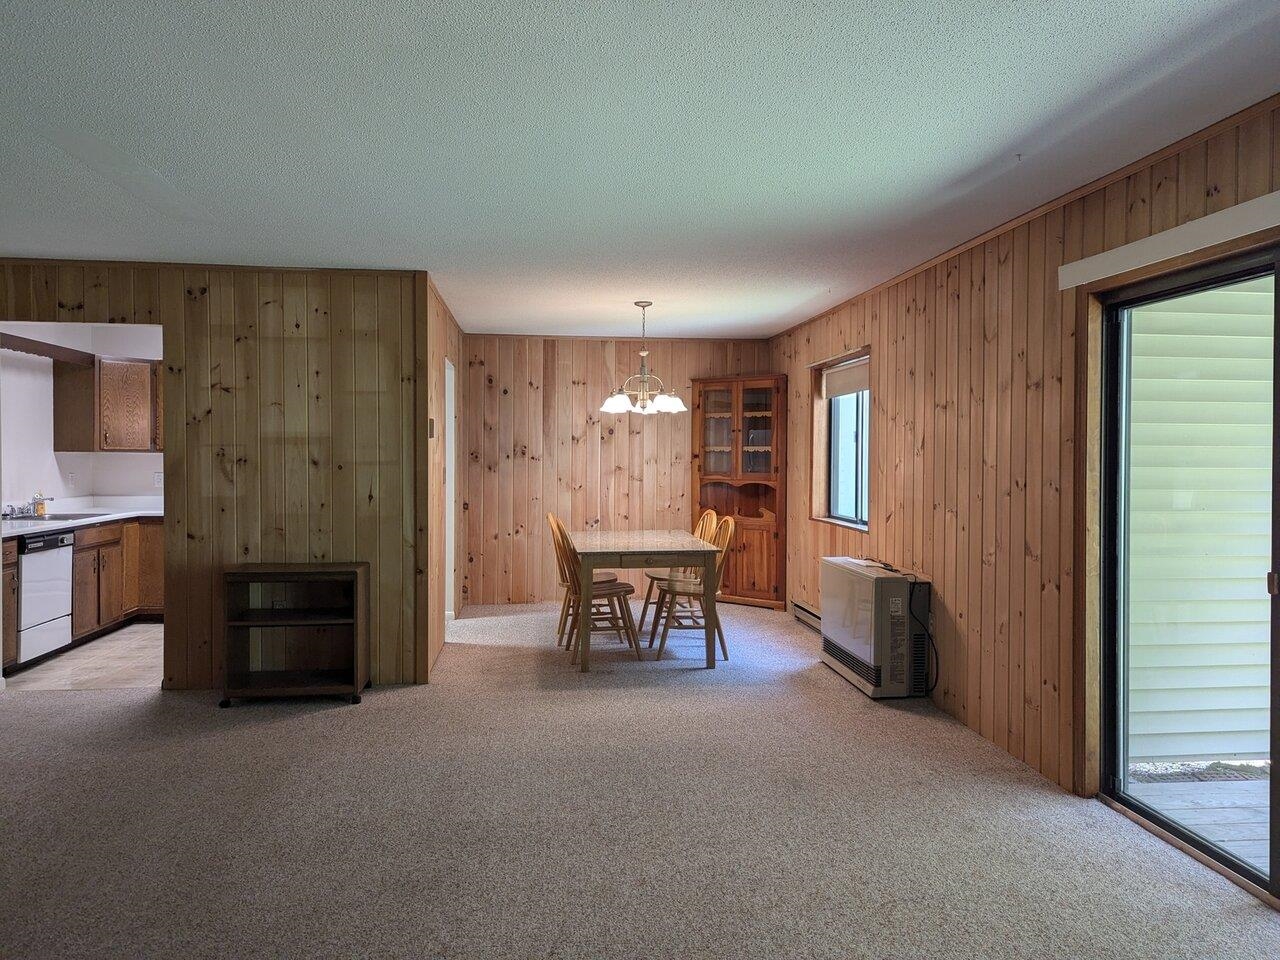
{"x":643,"y":392}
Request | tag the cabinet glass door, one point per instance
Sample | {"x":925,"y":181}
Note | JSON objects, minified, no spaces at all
{"x":756,"y":426}
{"x":717,"y":430}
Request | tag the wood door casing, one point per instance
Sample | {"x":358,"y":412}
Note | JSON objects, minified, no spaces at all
{"x":84,"y":592}
{"x":110,"y":583}
{"x":124,"y":400}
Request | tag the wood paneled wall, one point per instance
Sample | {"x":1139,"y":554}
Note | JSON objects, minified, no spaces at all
{"x":976,"y":458}
{"x":533,"y":440}
{"x":291,"y":398}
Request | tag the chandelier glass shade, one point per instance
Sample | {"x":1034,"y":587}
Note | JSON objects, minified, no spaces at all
{"x":643,"y":392}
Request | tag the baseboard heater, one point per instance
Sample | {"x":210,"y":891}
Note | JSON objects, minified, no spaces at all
{"x":809,"y":617}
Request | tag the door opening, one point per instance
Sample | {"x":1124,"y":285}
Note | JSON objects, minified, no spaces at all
{"x":450,"y":488}
{"x":1189,"y":547}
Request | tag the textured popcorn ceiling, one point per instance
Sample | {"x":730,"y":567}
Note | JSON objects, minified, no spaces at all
{"x":744,"y":165}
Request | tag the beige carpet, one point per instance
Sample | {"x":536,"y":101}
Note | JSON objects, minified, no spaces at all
{"x":516,"y":808}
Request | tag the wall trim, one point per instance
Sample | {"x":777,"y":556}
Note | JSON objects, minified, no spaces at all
{"x":1241,"y":220}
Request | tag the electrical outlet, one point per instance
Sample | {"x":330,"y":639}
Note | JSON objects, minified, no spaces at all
{"x":71,"y":479}
{"x":157,"y":479}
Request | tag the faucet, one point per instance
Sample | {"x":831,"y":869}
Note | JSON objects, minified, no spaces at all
{"x":13,"y":511}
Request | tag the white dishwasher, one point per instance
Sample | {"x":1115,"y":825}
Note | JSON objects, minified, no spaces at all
{"x":44,"y":603}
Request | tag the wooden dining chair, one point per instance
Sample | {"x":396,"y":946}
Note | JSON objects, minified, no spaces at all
{"x":601,"y":577}
{"x":679,"y":605}
{"x":610,"y":601}
{"x":704,"y":529}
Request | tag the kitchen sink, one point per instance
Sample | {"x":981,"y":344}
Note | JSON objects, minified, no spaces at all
{"x":65,"y":516}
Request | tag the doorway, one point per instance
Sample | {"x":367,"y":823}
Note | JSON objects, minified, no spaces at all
{"x":1189,"y":545}
{"x":450,"y":488}
{"x":81,"y":440}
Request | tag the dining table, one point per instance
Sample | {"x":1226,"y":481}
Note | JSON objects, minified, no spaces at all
{"x":641,"y":549}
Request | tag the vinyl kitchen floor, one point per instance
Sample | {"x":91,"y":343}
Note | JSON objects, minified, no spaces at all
{"x":130,"y":658}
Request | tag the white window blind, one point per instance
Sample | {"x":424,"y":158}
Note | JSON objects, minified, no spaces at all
{"x":845,"y":378}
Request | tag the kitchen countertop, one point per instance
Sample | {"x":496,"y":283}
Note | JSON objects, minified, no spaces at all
{"x":17,"y":528}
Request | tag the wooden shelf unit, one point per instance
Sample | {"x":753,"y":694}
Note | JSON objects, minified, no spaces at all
{"x":740,"y":470}
{"x":296,"y":629}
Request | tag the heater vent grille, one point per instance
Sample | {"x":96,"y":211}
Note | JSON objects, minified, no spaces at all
{"x":847,"y":660}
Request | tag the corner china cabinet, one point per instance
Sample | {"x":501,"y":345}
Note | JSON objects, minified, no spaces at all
{"x":740,"y":470}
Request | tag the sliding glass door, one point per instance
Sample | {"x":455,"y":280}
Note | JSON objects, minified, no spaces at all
{"x":1189,"y":548}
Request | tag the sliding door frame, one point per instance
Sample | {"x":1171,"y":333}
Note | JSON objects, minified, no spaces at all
{"x":1113,"y":533}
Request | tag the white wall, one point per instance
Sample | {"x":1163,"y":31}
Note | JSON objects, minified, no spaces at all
{"x":27,"y":461}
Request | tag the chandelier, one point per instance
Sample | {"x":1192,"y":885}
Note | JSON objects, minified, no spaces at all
{"x":643,"y":392}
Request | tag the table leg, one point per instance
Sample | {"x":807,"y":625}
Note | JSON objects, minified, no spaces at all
{"x":709,"y":614}
{"x":586,"y":578}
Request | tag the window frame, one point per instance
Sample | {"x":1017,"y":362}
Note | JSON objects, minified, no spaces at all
{"x":820,"y":445}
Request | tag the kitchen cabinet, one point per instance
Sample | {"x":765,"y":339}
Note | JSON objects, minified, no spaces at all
{"x":9,"y":600}
{"x":110,"y":583}
{"x":124,"y":404}
{"x":143,"y":556}
{"x":97,"y":578}
{"x":110,"y":404}
{"x":84,"y":592}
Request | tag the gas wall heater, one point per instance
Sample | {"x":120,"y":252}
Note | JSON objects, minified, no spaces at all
{"x":875,"y":627}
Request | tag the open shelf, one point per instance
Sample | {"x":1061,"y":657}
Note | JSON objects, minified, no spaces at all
{"x":293,"y":618}
{"x":296,"y":630}
{"x":284,"y":683}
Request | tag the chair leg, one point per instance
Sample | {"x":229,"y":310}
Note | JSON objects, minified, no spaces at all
{"x":616,"y":619}
{"x":666,"y":625}
{"x":564,"y":617}
{"x":720,"y":633}
{"x":657,"y":616}
{"x":571,"y":641}
{"x":648,"y":599}
{"x":633,"y":635}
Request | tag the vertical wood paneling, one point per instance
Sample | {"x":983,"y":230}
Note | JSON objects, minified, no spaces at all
{"x":290,"y":429}
{"x":533,"y":440}
{"x":1003,"y":379}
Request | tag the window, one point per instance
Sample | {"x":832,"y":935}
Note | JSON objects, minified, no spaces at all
{"x":845,"y":404}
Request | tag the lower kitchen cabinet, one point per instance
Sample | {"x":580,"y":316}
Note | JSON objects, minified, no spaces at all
{"x":144,"y":566}
{"x":110,"y":583}
{"x":97,"y":579}
{"x":84,"y":592}
{"x":9,"y":599}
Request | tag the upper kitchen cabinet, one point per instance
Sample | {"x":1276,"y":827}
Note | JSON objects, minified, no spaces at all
{"x":109,"y":404}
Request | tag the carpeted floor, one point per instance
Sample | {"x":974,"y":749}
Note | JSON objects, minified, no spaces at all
{"x":515,"y":808}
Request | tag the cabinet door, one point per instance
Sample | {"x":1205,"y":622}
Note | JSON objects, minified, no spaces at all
{"x":84,"y":592}
{"x":10,"y":601}
{"x":110,"y":583}
{"x":715,"y":419}
{"x":757,"y":436}
{"x":124,"y":401}
{"x":151,"y":567}
{"x":131,"y":541}
{"x":755,"y":563}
